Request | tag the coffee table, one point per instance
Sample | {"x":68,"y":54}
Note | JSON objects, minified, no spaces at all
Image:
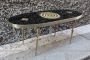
{"x":42,"y":19}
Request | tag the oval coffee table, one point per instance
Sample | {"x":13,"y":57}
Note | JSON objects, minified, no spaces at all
{"x":43,"y":19}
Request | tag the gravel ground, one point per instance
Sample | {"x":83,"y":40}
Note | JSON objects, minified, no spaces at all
{"x":10,"y":8}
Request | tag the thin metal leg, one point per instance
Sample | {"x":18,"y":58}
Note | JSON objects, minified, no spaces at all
{"x":72,"y":31}
{"x":55,"y":34}
{"x":37,"y":35}
{"x":23,"y":36}
{"x":13,"y":30}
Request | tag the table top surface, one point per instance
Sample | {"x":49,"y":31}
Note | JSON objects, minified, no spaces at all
{"x":42,"y":17}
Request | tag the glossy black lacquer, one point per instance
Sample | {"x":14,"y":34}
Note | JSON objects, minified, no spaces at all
{"x":34,"y":17}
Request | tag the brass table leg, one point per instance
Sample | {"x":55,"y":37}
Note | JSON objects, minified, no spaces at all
{"x":13,"y":30}
{"x":37,"y":35}
{"x":72,"y":30}
{"x":55,"y":33}
{"x":23,"y":36}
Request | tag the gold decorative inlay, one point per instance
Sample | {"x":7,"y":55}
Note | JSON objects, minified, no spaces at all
{"x":24,"y":19}
{"x":49,"y":15}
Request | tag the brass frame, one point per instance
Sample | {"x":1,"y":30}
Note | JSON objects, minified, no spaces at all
{"x":17,"y":26}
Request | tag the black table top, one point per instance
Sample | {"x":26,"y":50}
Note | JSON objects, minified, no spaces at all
{"x":35,"y":18}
